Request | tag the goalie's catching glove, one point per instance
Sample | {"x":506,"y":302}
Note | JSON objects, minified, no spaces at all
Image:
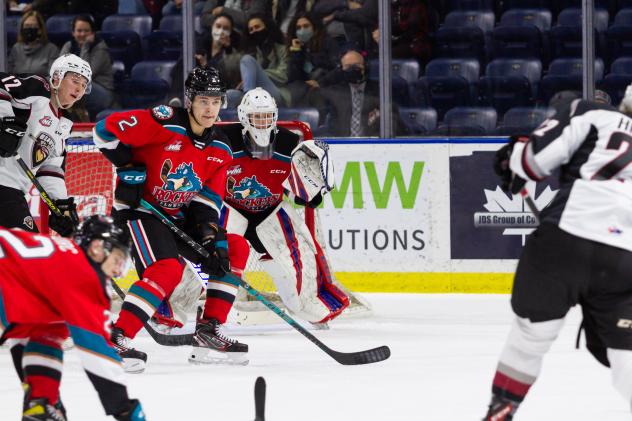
{"x":11,"y":132}
{"x":217,"y":264}
{"x":65,"y":224}
{"x":129,"y":189}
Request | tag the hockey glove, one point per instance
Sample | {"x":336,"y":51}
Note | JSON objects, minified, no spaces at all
{"x":214,"y":241}
{"x":11,"y":132}
{"x":136,"y":412}
{"x":129,"y":189}
{"x":65,"y":224}
{"x":501,"y":161}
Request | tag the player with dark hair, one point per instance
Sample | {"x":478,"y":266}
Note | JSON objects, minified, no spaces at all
{"x":175,"y":159}
{"x":51,"y":287}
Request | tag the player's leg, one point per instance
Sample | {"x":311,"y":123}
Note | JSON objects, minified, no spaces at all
{"x":155,"y":255}
{"x":209,"y":344}
{"x":15,"y":210}
{"x":543,"y":291}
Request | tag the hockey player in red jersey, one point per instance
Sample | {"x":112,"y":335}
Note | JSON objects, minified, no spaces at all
{"x":581,"y":253}
{"x":50,"y":287}
{"x":175,"y":159}
{"x":268,"y":161}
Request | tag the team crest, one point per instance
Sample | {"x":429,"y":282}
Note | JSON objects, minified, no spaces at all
{"x":43,"y":145}
{"x":179,"y":185}
{"x":250,"y":193}
{"x":174,"y":147}
{"x":162,"y":112}
{"x":46,"y":121}
{"x":28,"y":222}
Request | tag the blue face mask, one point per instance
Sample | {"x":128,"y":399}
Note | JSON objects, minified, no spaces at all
{"x":304,"y":34}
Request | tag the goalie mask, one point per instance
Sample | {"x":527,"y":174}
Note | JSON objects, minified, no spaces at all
{"x":258,"y":115}
{"x":70,"y":63}
{"x":205,"y":81}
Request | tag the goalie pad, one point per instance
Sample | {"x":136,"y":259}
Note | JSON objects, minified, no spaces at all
{"x":305,"y":289}
{"x":312,"y":171}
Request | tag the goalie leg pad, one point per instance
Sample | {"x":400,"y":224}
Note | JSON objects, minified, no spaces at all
{"x":294,"y":269}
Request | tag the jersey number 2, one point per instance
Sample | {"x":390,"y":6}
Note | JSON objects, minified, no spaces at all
{"x":44,"y":249}
{"x":621,"y":161}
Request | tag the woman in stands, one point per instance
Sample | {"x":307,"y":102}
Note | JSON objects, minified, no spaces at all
{"x":32,"y":53}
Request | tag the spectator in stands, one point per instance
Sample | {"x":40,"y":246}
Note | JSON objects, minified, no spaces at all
{"x":90,"y":47}
{"x":239,"y":10}
{"x":312,"y":56}
{"x":47,"y":8}
{"x":359,"y":18}
{"x":32,"y":53}
{"x":284,"y":11}
{"x":221,"y":50}
{"x":265,"y":62}
{"x":354,"y":103}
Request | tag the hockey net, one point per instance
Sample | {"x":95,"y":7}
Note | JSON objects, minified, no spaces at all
{"x":90,"y":179}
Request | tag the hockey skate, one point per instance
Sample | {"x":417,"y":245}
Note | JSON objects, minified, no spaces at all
{"x":133,"y":360}
{"x":500,"y":410}
{"x":41,"y":410}
{"x":210,"y":346}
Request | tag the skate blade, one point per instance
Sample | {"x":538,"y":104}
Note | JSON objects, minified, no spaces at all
{"x":133,"y":365}
{"x":208,"y":356}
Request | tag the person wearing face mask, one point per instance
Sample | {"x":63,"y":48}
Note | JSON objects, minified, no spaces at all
{"x":90,"y":47}
{"x":354,"y":102}
{"x":32,"y":53}
{"x":265,"y":62}
{"x":239,"y":10}
{"x":312,"y":56}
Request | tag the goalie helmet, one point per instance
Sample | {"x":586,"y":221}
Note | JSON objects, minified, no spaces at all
{"x":100,"y":227}
{"x":206,"y":81}
{"x":258,"y":114}
{"x":70,"y":63}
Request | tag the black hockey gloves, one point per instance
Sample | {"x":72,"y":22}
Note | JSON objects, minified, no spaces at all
{"x":136,"y":412}
{"x":64,"y":225}
{"x":11,"y":132}
{"x":509,"y":182}
{"x":129,"y":189}
{"x":214,"y":241}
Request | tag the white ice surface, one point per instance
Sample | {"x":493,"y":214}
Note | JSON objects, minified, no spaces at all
{"x":444,"y":350}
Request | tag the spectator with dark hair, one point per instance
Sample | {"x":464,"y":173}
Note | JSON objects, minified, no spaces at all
{"x":221,"y":50}
{"x":32,"y":53}
{"x":285,"y":11}
{"x":354,"y":102}
{"x":359,"y":18}
{"x":239,"y":10}
{"x":265,"y":62}
{"x":312,"y":56}
{"x":90,"y":47}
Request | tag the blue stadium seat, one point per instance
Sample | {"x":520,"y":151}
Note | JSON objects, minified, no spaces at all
{"x":464,"y":34}
{"x":566,"y":36}
{"x":104,"y":113}
{"x":469,"y":121}
{"x":307,"y":115}
{"x":451,"y":82}
{"x":524,"y":4}
{"x":131,"y":7}
{"x":228,"y":114}
{"x":418,"y":121}
{"x":149,"y":84}
{"x":406,"y":69}
{"x":618,"y":79}
{"x":418,"y":93}
{"x":153,"y":70}
{"x":172,"y":23}
{"x":59,"y":23}
{"x":522,"y":33}
{"x":163,"y":45}
{"x":141,"y":24}
{"x":12,"y":24}
{"x":510,"y":82}
{"x":522,"y":120}
{"x":619,"y":35}
{"x":124,"y":46}
{"x":566,"y":74}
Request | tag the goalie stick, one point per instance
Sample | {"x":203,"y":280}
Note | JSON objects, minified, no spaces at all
{"x":260,"y":399}
{"x":345,"y":358}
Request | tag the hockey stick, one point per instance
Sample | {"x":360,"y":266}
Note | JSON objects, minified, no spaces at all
{"x":45,"y":197}
{"x":160,"y":338}
{"x":260,"y":399}
{"x":530,"y":203}
{"x":346,"y":358}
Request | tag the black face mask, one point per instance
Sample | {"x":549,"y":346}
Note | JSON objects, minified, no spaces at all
{"x":354,"y":74}
{"x":259,"y":37}
{"x":30,"y":34}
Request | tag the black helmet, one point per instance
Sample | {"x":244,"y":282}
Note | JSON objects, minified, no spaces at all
{"x":102,"y":227}
{"x":204,"y":81}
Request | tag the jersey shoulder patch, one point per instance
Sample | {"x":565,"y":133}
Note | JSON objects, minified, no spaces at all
{"x":162,"y":112}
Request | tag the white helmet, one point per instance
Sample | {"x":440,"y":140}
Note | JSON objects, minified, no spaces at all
{"x":70,"y":63}
{"x":626,"y":103}
{"x":258,"y":100}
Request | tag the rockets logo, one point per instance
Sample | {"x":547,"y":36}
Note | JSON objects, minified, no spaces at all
{"x":251,"y":194}
{"x":42,"y":148}
{"x":162,"y":112}
{"x":179,"y":186}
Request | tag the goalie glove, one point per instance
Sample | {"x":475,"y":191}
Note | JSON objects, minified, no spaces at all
{"x":312,"y":171}
{"x":65,"y":224}
{"x":217,"y":264}
{"x":11,"y":132}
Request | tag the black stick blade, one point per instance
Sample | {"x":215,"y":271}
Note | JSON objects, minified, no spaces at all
{"x":369,"y":356}
{"x":260,"y":399}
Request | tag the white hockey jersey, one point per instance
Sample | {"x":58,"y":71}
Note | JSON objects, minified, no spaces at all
{"x":591,"y":144}
{"x":43,"y":145}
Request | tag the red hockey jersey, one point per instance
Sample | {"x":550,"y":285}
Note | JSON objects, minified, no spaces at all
{"x":255,"y":185}
{"x":181,"y":167}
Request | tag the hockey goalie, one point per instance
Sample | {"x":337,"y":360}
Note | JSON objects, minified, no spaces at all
{"x":268,"y":161}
